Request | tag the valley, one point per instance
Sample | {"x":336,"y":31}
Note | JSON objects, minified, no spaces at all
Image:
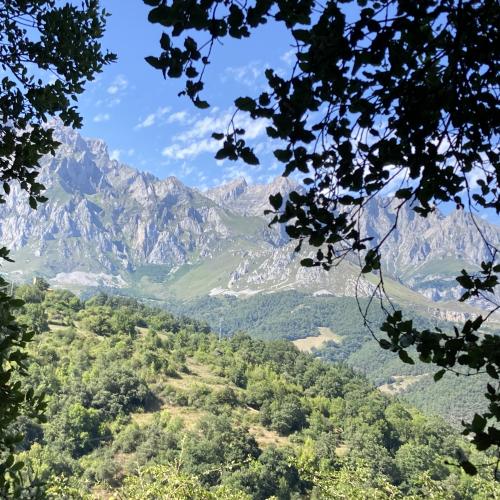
{"x":249,"y":250}
{"x":212,"y":256}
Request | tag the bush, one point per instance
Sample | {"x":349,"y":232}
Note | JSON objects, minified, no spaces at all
{"x":284,"y":416}
{"x":117,"y":390}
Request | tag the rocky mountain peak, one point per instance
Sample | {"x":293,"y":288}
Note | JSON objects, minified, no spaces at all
{"x":250,"y":199}
{"x":228,"y":192}
{"x":106,"y":217}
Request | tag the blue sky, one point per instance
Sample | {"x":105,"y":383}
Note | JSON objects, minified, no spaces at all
{"x":146,"y":124}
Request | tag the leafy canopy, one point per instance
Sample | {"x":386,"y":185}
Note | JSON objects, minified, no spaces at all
{"x":383,"y":94}
{"x":48,"y":51}
{"x":158,"y":415}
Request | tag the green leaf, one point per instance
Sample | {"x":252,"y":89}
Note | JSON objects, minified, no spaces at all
{"x":191,"y":72}
{"x":478,"y":423}
{"x":283,"y":155}
{"x":439,"y":375}
{"x":248,"y":156}
{"x":222,"y":154}
{"x":264,"y":99}
{"x":17,"y":466}
{"x":160,"y":14}
{"x":492,"y":371}
{"x":403,"y":194}
{"x":406,"y":340}
{"x":201,"y":104}
{"x":468,"y":467}
{"x":385,"y":344}
{"x":165,"y":41}
{"x":153,"y":61}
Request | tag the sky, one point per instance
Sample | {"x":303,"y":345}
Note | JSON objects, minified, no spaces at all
{"x":149,"y":127}
{"x":145,"y":123}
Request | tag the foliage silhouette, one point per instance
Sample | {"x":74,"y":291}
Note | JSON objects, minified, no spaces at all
{"x":48,"y":51}
{"x":384,"y":95}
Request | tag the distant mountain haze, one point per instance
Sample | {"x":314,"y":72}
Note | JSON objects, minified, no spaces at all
{"x":109,"y":225}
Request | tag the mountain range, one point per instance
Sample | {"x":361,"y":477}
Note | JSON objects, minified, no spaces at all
{"x":107,"y":225}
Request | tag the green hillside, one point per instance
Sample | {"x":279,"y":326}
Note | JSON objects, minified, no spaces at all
{"x":145,"y":405}
{"x":294,"y":315}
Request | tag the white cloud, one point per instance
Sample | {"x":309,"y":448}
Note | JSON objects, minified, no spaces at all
{"x":115,"y":154}
{"x":289,"y":57}
{"x":196,"y":135}
{"x":113,"y":102}
{"x":109,"y":102}
{"x":119,"y":84}
{"x":253,"y":128}
{"x":147,"y":122}
{"x":152,"y":118}
{"x":102,"y":117}
{"x":232,"y":172}
{"x":187,"y":169}
{"x":204,"y":127}
{"x":216,"y":123}
{"x":244,"y":75}
{"x":178,"y":117}
{"x":178,"y":152}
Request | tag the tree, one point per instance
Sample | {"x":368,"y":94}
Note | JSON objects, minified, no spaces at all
{"x":284,"y":415}
{"x":48,"y":51}
{"x":353,"y":481}
{"x":167,"y":481}
{"x":75,"y":429}
{"x":30,"y":294}
{"x":97,"y":319}
{"x":413,"y":459}
{"x":383,"y":93}
{"x":15,"y":400}
{"x":34,"y":317}
{"x":123,"y":321}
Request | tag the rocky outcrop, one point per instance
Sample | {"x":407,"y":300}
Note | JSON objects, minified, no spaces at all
{"x":250,"y":199}
{"x":109,"y":219}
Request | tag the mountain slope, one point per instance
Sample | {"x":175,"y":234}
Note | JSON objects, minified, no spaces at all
{"x":109,"y":225}
{"x":137,"y":396}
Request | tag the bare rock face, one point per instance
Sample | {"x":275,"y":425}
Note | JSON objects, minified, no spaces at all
{"x":111,"y":220}
{"x":109,"y":214}
{"x":427,"y":254}
{"x":245,"y":199}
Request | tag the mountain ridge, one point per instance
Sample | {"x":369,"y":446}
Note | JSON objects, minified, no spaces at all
{"x":108,"y":224}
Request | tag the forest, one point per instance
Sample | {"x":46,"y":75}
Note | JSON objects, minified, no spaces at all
{"x":142,"y":404}
{"x":294,"y":315}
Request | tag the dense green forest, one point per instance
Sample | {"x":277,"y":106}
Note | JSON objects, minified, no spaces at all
{"x":143,"y":404}
{"x":293,"y":315}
